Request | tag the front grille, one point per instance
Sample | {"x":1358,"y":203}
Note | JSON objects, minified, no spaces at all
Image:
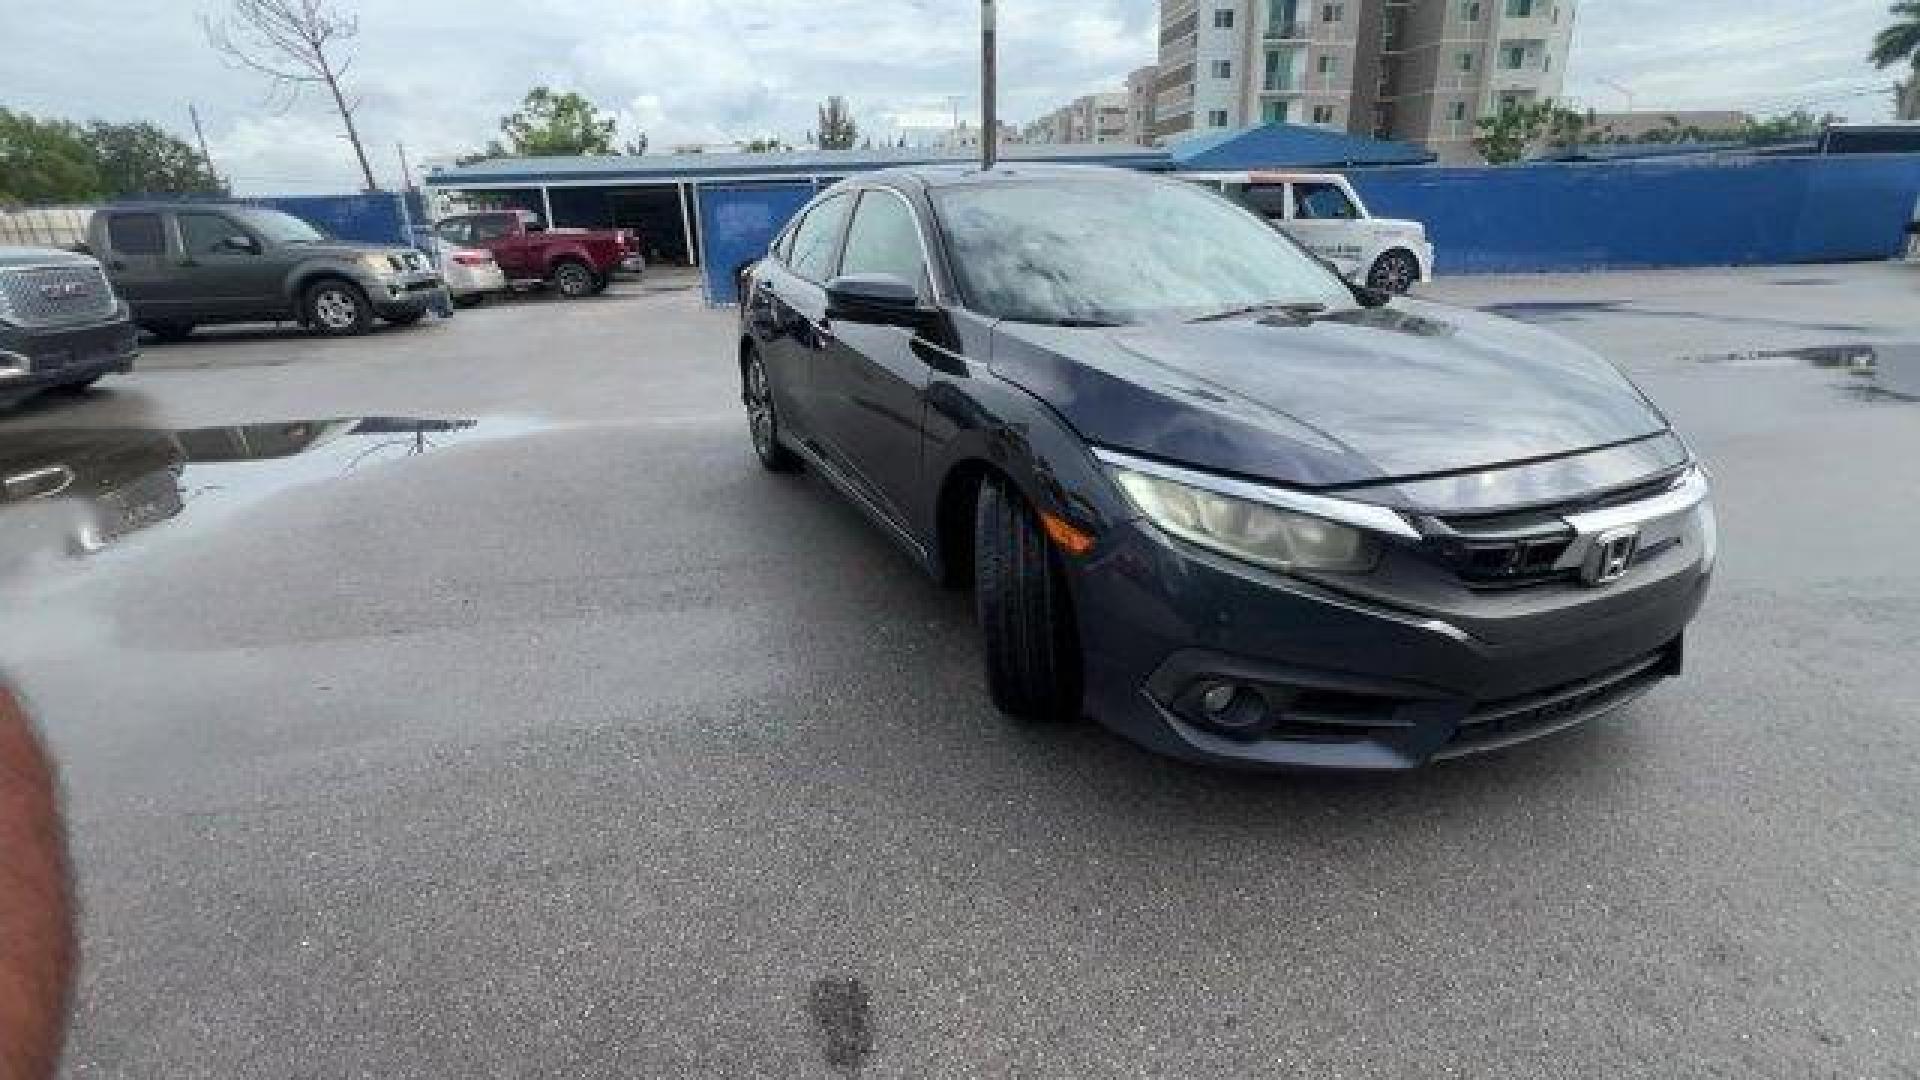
{"x":55,"y":295}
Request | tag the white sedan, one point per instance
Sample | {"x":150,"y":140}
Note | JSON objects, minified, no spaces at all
{"x":1324,"y":213}
{"x":471,"y":274}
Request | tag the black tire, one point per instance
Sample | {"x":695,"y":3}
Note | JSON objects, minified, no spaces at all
{"x":80,"y":387}
{"x":1394,"y":272}
{"x":168,"y":331}
{"x":763,"y":421}
{"x":335,"y":307}
{"x":573,"y":279}
{"x":1026,"y":614}
{"x":602,"y":282}
{"x":405,"y":318}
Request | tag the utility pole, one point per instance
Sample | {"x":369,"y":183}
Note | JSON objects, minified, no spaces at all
{"x":194,"y":112}
{"x":989,"y":122}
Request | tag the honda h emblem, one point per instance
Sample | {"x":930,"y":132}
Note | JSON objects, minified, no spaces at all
{"x":1611,"y":554}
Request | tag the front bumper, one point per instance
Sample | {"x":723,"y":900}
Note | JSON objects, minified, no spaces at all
{"x":404,"y":294}
{"x":32,"y":359}
{"x":1353,"y":683}
{"x":633,"y":264}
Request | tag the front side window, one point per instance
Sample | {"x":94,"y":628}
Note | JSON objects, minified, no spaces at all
{"x":883,"y":239}
{"x":1113,"y":250}
{"x":1322,"y":202}
{"x":206,"y":234}
{"x":1267,"y":200}
{"x":811,"y":255}
{"x":136,"y":234}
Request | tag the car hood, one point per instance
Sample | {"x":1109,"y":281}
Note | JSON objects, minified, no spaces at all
{"x":347,"y":251}
{"x":1354,"y":397}
{"x":41,"y":256}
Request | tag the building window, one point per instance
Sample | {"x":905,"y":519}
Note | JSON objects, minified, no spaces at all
{"x":1333,"y":12}
{"x":1470,"y":11}
{"x":1509,"y":102}
{"x":1217,"y":118}
{"x":1328,"y":64}
{"x":1457,"y":111}
{"x":1546,"y":62}
{"x":1513,"y":57}
{"x":1274,"y":112}
{"x":1323,"y":114}
{"x":1519,"y":9}
{"x":1223,"y":69}
{"x":1223,"y":19}
{"x":1466,"y":61}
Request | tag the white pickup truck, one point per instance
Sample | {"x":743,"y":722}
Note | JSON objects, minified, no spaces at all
{"x":1322,"y":211}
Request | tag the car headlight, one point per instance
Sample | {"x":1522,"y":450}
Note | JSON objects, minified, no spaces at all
{"x":381,"y":265}
{"x":1257,"y":533}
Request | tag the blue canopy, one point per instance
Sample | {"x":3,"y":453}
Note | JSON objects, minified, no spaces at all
{"x":1290,"y":145}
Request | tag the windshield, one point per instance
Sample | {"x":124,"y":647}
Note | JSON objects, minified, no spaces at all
{"x":277,"y":228}
{"x":1104,"y":249}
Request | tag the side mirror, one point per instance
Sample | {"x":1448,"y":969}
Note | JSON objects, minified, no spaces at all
{"x":241,"y":242}
{"x":877,"y":298}
{"x":533,"y":223}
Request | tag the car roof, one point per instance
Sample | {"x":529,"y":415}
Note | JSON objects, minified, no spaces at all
{"x":962,"y":174}
{"x":1270,"y":176}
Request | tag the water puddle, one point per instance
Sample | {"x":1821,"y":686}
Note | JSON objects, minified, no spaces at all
{"x":75,"y":492}
{"x":1885,"y":369}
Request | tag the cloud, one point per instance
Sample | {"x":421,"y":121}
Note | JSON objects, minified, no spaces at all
{"x":438,"y":74}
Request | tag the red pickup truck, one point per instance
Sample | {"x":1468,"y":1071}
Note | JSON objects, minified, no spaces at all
{"x":576,"y":262}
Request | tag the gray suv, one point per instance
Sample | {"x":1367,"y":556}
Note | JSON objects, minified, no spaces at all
{"x":61,"y":326}
{"x":190,"y":264}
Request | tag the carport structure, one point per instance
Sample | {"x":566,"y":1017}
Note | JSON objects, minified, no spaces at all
{"x":715,"y":211}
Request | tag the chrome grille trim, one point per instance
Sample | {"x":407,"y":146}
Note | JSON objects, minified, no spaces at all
{"x":45,"y":296}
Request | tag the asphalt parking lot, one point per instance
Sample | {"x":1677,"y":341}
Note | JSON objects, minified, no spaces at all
{"x":570,"y":743}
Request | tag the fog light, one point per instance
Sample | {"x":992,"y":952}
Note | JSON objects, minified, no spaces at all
{"x":1216,"y":700}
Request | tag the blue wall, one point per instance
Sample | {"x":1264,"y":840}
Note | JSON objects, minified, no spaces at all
{"x":377,"y":217}
{"x":737,"y":224}
{"x":1696,"y":212}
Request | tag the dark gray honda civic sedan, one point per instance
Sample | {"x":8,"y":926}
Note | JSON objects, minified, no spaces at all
{"x":1209,"y":493}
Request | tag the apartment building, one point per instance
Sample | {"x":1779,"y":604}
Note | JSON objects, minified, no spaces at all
{"x":1418,"y":70}
{"x":1090,"y":118}
{"x":1140,"y":92}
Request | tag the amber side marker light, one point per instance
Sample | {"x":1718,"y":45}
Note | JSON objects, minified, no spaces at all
{"x":1071,"y":540}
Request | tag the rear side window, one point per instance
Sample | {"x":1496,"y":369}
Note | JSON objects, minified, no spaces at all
{"x":884,"y":240}
{"x":811,"y":255}
{"x":491,"y":227}
{"x":1267,"y":200}
{"x":136,"y":234}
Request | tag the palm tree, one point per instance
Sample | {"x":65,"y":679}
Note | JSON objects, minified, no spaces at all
{"x":1899,"y":41}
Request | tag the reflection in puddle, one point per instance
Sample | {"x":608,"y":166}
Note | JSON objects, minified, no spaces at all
{"x":78,"y":491}
{"x":1888,"y":369}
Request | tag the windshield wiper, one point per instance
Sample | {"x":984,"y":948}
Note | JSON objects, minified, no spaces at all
{"x":1068,"y":320}
{"x":1292,"y":308}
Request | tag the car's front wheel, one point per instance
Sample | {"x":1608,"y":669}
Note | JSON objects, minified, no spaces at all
{"x":1394,"y":272}
{"x":1026,"y":613}
{"x":763,"y":421}
{"x":338,"y":308}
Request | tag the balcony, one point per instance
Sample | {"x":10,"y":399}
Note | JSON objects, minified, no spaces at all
{"x":1284,"y":82}
{"x":1290,"y":30}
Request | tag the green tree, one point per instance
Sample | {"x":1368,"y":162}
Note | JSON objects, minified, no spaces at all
{"x":45,"y":161}
{"x":837,"y":129}
{"x":555,"y":125}
{"x":137,"y":159}
{"x":1899,"y":41}
{"x":636,"y":146}
{"x":768,"y":145}
{"x":1505,"y":136}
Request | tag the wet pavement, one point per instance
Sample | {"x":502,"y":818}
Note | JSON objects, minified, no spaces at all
{"x":528,"y":728}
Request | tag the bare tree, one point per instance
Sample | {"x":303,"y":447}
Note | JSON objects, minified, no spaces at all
{"x":295,"y":43}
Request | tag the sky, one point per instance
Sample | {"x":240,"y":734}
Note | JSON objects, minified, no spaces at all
{"x":438,"y":74}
